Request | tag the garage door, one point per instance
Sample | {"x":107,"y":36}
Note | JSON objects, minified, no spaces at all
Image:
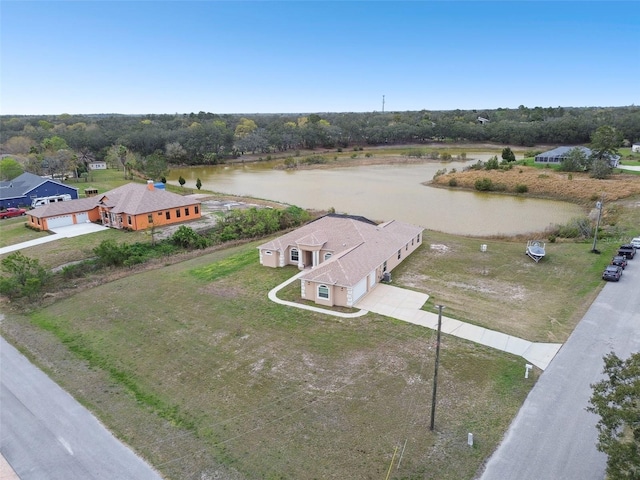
{"x":61,"y":221}
{"x":359,"y":290}
{"x":82,"y":217}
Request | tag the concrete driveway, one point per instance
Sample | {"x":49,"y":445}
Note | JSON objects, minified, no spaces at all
{"x":406,"y":305}
{"x":58,"y":233}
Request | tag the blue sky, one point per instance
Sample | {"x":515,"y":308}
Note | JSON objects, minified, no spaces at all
{"x":305,"y":56}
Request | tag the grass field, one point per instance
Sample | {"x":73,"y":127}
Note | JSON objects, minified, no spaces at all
{"x":200,"y":372}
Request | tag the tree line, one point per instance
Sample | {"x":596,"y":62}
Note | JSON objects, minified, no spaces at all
{"x":52,"y":144}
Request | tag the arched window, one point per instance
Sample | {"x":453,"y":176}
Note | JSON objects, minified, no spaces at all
{"x":295,"y":255}
{"x":323,"y":291}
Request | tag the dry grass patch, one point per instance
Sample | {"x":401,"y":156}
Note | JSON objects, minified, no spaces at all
{"x":548,"y":183}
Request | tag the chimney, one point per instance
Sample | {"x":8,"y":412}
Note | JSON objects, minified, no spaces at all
{"x":150,"y":184}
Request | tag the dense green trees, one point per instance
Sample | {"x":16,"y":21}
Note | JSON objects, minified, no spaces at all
{"x":10,"y":169}
{"x":207,"y":138}
{"x":616,"y":399}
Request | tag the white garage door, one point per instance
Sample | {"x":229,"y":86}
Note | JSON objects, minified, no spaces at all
{"x":61,"y":221}
{"x":359,"y":290}
{"x":82,"y":217}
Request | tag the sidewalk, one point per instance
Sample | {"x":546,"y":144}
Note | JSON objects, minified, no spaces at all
{"x":406,"y":305}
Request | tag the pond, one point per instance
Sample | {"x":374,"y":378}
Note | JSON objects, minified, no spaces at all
{"x":386,"y":192}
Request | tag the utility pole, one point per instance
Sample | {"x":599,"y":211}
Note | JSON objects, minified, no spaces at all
{"x":435,"y":375}
{"x":382,"y":103}
{"x":599,"y":206}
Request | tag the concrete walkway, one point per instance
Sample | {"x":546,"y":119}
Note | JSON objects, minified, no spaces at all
{"x":58,"y":233}
{"x":406,"y":305}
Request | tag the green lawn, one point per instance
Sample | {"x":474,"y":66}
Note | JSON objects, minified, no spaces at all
{"x":194,"y":367}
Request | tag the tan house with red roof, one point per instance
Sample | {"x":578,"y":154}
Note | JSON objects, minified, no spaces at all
{"x":346,"y":256}
{"x":132,"y":206}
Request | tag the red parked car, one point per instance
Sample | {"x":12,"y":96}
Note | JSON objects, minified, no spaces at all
{"x":12,"y":212}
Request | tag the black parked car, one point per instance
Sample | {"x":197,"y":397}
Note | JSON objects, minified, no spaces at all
{"x":628,"y":251}
{"x":619,"y":260}
{"x":612,"y":272}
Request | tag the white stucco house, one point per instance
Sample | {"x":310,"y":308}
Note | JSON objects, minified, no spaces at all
{"x":343,"y":256}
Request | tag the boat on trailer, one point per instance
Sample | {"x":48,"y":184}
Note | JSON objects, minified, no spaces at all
{"x":536,"y":250}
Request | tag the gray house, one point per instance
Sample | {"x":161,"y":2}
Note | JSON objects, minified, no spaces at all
{"x":555,"y":156}
{"x":24,"y":188}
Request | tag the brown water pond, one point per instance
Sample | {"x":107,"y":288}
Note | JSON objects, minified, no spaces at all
{"x":385,"y":192}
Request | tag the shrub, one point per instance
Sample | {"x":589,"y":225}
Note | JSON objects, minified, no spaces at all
{"x":77,"y":270}
{"x":186,"y":237}
{"x":354,"y":155}
{"x":453,"y":182}
{"x":414,"y":153}
{"x":521,"y":188}
{"x":492,"y":163}
{"x":368,"y":154}
{"x":484,"y":185}
{"x":26,"y":277}
{"x":110,"y":254}
{"x":439,"y":173}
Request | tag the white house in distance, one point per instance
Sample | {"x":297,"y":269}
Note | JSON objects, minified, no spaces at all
{"x":344,"y":256}
{"x":635,"y":148}
{"x":97,"y":165}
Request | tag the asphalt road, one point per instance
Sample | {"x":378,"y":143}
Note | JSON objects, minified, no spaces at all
{"x":553,"y":437}
{"x":45,"y":434}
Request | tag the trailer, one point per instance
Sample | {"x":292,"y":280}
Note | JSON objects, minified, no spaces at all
{"x":535,"y":250}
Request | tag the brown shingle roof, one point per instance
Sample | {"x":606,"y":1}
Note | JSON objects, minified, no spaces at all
{"x":380,"y":243}
{"x":132,"y":199}
{"x":135,"y":199}
{"x":358,"y":247}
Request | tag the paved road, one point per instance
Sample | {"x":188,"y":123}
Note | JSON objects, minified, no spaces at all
{"x":46,"y":435}
{"x":553,"y":437}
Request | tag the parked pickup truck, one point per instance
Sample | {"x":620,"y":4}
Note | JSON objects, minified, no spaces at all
{"x":628,"y":251}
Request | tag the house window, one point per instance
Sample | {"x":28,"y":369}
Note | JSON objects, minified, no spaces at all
{"x":167,"y":215}
{"x":186,"y":212}
{"x":323,"y":292}
{"x":399,"y":254}
{"x":418,"y":238}
{"x":384,"y":266}
{"x":159,"y":214}
{"x":327,"y":256}
{"x":412,"y":240}
{"x":295,"y":255}
{"x":196,"y":209}
{"x":178,"y":212}
{"x":406,"y":247}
